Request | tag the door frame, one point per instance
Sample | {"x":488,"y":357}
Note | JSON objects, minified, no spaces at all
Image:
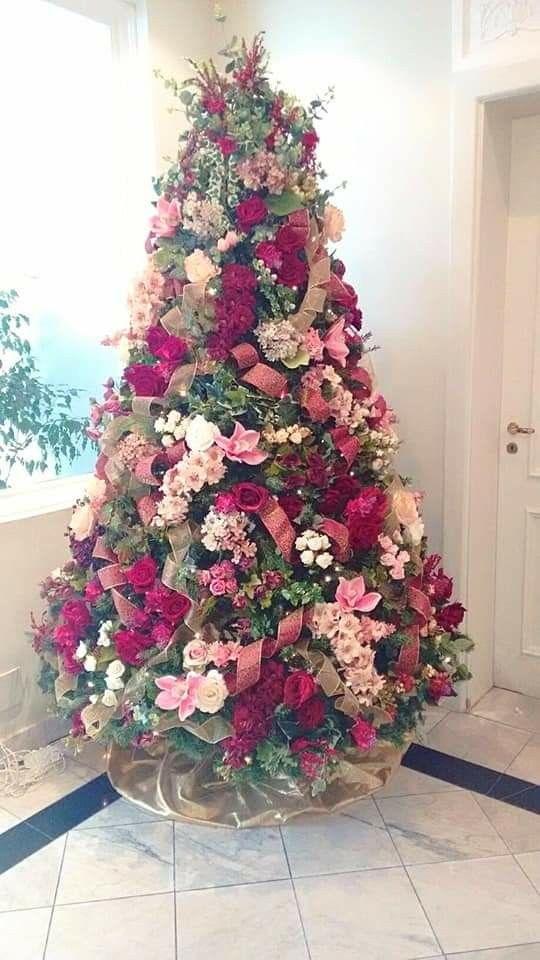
{"x":484,"y":103}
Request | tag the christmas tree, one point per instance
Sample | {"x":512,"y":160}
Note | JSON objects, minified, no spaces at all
{"x":250,"y":613}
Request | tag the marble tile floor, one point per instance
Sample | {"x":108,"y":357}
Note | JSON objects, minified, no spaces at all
{"x":422,"y":869}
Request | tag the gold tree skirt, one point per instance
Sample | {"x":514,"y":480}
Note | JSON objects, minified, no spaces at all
{"x":167,"y":782}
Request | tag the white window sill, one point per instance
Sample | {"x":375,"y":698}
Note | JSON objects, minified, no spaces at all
{"x":45,"y":496}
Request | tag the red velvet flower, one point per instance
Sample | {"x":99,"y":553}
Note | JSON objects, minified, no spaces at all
{"x":365,"y":517}
{"x":76,"y":614}
{"x":165,"y":346}
{"x":269,"y":254}
{"x":141,"y":574}
{"x":311,"y":714}
{"x":249,"y":497}
{"x":227,"y":145}
{"x":144,"y":380}
{"x":363,"y":734}
{"x":292,"y":504}
{"x":238,"y":277}
{"x":299,"y":687}
{"x":439,"y":686}
{"x":65,"y":638}
{"x":338,"y":495}
{"x":251,"y":212}
{"x":130,"y":644}
{"x":450,"y":617}
{"x":289,"y":239}
{"x":293,"y":271}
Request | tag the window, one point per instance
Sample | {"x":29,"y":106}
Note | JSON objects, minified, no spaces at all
{"x":73,"y":187}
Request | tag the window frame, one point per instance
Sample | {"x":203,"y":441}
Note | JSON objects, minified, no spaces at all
{"x":129,"y":41}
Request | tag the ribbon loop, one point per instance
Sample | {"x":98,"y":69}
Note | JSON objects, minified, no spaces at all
{"x":259,"y":375}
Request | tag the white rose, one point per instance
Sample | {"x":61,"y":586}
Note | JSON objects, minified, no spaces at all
{"x":160,"y":425}
{"x":211,"y":692}
{"x":90,"y":663}
{"x":201,"y":433}
{"x":114,"y":673}
{"x":325,"y":543}
{"x":179,"y":432}
{"x":307,"y":557}
{"x":109,"y":699}
{"x":195,"y":655}
{"x":175,"y":416}
{"x":167,"y":440}
{"x":81,"y":651}
{"x":315,"y":542}
{"x":301,"y":543}
{"x":416,"y":531}
{"x":324,"y":560}
{"x":96,"y":492}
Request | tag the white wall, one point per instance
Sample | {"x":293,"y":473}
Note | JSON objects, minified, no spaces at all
{"x":388,"y":135}
{"x":29,"y":550}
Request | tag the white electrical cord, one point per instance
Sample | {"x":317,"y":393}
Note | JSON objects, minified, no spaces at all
{"x":21,"y":768}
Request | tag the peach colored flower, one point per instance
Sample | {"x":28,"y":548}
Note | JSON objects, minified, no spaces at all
{"x":199,"y":267}
{"x":211,"y":692}
{"x":227,"y":242}
{"x":404,"y":507}
{"x":96,"y":491}
{"x":334,"y":223}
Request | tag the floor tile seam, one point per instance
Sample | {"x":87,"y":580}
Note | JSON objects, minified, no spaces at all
{"x":295,"y":894}
{"x":49,"y":925}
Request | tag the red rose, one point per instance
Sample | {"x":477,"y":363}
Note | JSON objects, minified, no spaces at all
{"x":289,"y":239}
{"x":251,"y":212}
{"x":311,"y":714}
{"x":249,"y":497}
{"x":76,"y":614}
{"x":130,"y":644}
{"x":299,"y":687}
{"x":363,"y":734}
{"x":238,"y":277}
{"x":450,"y":617}
{"x":227,"y":145}
{"x":292,"y":504}
{"x":145,"y":381}
{"x":269,"y":254}
{"x":161,"y":633}
{"x":293,"y":271}
{"x":175,"y":606}
{"x":165,"y":346}
{"x":141,"y":574}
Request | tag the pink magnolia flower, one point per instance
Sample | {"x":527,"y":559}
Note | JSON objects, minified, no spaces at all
{"x":242,"y":445}
{"x":179,"y":693}
{"x":166,"y":219}
{"x":334,"y":343}
{"x":351,"y":595}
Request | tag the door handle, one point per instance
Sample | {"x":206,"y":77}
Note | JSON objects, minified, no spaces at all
{"x":514,"y":428}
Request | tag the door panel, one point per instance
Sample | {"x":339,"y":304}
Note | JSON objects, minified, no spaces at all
{"x":517,"y":613}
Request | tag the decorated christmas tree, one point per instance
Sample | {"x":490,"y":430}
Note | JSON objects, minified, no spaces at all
{"x":250,"y":619}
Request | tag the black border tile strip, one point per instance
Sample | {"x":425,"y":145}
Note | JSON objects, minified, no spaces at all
{"x":42,"y":828}
{"x":53,"y":821}
{"x":473,"y":776}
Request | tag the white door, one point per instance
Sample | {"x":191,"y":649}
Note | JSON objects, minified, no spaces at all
{"x":517,"y":612}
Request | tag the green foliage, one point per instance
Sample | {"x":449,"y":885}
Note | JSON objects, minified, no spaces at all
{"x":37,"y":428}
